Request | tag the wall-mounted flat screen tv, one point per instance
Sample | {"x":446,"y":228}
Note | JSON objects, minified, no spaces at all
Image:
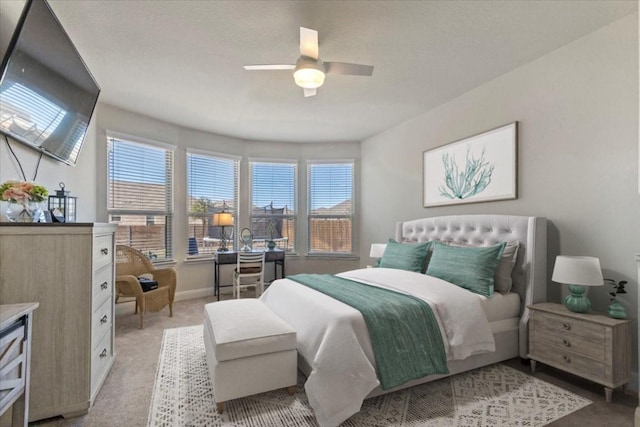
{"x":47,"y":93}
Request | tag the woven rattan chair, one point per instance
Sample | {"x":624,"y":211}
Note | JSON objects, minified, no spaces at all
{"x":130,"y":264}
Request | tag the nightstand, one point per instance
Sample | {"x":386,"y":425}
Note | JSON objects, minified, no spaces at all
{"x":590,"y":345}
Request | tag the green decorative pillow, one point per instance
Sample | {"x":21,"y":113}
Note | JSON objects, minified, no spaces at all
{"x":405,"y":256}
{"x":502,"y":278}
{"x":471,"y":268}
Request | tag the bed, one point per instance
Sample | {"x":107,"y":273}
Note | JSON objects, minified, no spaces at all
{"x":333,"y":341}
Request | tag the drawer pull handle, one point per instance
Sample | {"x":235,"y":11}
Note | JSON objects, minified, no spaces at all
{"x":567,"y":326}
{"x":104,"y":319}
{"x":104,"y":251}
{"x":104,"y":285}
{"x":566,"y":358}
{"x":566,"y":343}
{"x":103,"y":354}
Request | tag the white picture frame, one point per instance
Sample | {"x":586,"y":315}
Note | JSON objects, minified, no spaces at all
{"x":479,"y":168}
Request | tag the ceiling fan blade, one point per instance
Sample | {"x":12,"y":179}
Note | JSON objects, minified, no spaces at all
{"x":269,"y":67}
{"x":308,"y":42}
{"x":348,"y":69}
{"x":309,"y":92}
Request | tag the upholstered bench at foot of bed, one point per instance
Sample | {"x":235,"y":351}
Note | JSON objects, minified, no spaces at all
{"x":249,"y":350}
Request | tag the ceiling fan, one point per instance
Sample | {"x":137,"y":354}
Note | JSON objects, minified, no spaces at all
{"x":309,"y":70}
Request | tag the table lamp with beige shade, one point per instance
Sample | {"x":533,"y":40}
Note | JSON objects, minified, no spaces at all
{"x":222,"y":220}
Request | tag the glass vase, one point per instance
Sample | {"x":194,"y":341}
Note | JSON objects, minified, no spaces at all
{"x":24,"y":212}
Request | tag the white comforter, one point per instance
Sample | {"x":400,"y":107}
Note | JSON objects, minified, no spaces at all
{"x":333,"y":338}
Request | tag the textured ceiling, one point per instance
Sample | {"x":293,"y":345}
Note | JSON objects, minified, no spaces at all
{"x":181,"y":61}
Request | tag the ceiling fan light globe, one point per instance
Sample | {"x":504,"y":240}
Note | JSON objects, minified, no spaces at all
{"x":309,"y":78}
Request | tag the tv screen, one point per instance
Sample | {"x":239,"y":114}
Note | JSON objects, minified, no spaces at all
{"x":47,"y":93}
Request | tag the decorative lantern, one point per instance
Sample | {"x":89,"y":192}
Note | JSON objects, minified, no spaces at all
{"x":62,"y":206}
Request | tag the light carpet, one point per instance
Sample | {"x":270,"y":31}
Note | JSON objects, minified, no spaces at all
{"x":495,"y":395}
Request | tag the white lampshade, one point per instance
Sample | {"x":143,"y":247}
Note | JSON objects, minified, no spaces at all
{"x":222,"y":219}
{"x":309,"y":78}
{"x":309,"y":73}
{"x":377,"y":250}
{"x":577,"y":270}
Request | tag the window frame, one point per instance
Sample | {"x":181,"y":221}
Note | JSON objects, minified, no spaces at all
{"x":169,"y":213}
{"x":235,"y":211}
{"x":352,"y":217}
{"x":292,"y":244}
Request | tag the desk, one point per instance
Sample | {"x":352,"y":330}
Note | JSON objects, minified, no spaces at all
{"x":15,"y":358}
{"x":231,"y":257}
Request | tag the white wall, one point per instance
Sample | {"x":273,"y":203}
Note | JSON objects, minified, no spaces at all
{"x":577,"y":109}
{"x":79,"y":180}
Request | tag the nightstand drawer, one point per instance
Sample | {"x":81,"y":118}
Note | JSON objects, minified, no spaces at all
{"x":566,"y":325}
{"x":568,"y":361}
{"x":570,"y":343}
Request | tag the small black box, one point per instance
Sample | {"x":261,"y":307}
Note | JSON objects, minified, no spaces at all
{"x":147,"y":284}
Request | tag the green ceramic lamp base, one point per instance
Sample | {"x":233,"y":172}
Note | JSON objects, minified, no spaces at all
{"x":577,"y":302}
{"x":617,"y":311}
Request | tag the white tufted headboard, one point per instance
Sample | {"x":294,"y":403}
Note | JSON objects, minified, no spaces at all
{"x":529,"y":273}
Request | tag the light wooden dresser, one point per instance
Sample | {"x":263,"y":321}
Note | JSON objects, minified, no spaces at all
{"x":69,"y":270}
{"x":590,"y":345}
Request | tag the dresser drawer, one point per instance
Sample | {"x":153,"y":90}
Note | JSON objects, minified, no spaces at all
{"x":100,"y":357}
{"x":102,"y":285}
{"x":101,"y":323}
{"x":102,"y":251}
{"x":569,"y":342}
{"x":568,"y":326}
{"x":568,"y":361}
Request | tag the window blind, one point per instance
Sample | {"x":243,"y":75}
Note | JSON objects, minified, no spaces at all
{"x":140,"y":198}
{"x":273,"y":203}
{"x":212,"y":186}
{"x":330,"y":196}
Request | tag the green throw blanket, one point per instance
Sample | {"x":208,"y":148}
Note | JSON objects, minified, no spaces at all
{"x":404,"y":332}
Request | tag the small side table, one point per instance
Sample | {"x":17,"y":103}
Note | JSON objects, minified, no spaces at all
{"x":590,"y":345}
{"x":15,"y":360}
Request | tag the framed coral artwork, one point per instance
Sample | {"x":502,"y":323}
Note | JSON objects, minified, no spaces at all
{"x":479,"y":168}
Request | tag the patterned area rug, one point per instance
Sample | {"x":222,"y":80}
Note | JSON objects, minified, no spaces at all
{"x":495,"y":395}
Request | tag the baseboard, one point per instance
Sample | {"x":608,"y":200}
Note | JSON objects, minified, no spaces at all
{"x":128,"y":307}
{"x":193,"y":294}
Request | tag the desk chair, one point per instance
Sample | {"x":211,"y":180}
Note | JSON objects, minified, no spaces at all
{"x":249,"y":272}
